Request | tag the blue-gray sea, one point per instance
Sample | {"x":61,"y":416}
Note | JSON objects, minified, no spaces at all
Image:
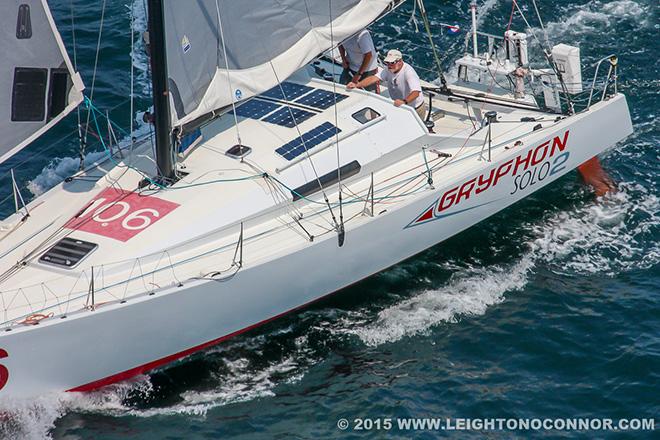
{"x":550,"y":309}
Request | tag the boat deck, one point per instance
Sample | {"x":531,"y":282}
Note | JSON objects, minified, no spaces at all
{"x":231,"y":212}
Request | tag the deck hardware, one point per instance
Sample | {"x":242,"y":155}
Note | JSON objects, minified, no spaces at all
{"x":90,"y":291}
{"x":18,"y":197}
{"x":429,"y":173}
{"x":238,"y":151}
{"x":341,"y":234}
{"x":428,"y":122}
{"x":239,"y":250}
{"x":440,"y":154}
{"x":369,"y":200}
{"x":491,"y":117}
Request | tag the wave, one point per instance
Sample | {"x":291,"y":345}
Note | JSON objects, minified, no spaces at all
{"x":139,"y":54}
{"x":596,"y":16}
{"x":610,"y":235}
{"x":469,"y":292}
{"x":614,"y":235}
{"x":60,"y":168}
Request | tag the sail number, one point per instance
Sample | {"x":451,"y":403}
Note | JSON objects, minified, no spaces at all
{"x":120,"y":214}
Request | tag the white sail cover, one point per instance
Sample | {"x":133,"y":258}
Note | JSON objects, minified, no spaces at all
{"x":265,"y":42}
{"x":38,"y":85}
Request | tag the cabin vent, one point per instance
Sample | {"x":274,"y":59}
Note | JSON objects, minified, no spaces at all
{"x":68,"y":253}
{"x":23,"y":23}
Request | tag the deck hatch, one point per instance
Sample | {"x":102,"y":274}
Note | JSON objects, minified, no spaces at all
{"x":68,"y":252}
{"x":312,"y":138}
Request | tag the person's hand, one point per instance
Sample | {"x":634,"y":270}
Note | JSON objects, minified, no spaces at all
{"x":399,"y":102}
{"x":356,"y":78}
{"x":351,"y":85}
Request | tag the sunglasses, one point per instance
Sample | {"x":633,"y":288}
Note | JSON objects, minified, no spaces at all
{"x":393,"y":63}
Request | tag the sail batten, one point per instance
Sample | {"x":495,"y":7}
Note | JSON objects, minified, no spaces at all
{"x":38,"y":84}
{"x":265,"y":42}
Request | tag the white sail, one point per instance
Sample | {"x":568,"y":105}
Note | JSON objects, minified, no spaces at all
{"x":38,"y":83}
{"x":265,"y":41}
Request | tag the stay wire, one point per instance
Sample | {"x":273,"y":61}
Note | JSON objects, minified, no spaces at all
{"x":304,"y":143}
{"x":545,"y":32}
{"x":91,"y":96}
{"x":81,"y":146}
{"x":231,"y":89}
{"x":132,"y":97}
{"x":334,"y":96}
{"x":548,"y":57}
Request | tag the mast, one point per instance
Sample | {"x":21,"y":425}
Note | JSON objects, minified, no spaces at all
{"x":162,"y":118}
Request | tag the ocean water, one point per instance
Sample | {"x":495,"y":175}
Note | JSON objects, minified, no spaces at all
{"x":549,"y":309}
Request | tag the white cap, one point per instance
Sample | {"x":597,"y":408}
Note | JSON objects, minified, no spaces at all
{"x":393,"y":55}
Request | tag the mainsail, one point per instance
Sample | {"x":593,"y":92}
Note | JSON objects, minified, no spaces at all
{"x":38,"y":85}
{"x":265,"y":41}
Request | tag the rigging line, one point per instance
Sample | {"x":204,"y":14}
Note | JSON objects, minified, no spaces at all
{"x":334,"y":96}
{"x":279,"y":196}
{"x":73,"y":36}
{"x":131,"y":114}
{"x":56,"y":143}
{"x":231,"y":89}
{"x":96,"y":62}
{"x":413,"y":19}
{"x":93,"y":111}
{"x":81,"y":147}
{"x":548,"y":57}
{"x":302,"y":139}
{"x":427,"y":26}
{"x":538,"y":15}
{"x":513,"y":9}
{"x":309,"y":16}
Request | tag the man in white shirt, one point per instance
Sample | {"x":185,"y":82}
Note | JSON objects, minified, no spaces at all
{"x":359,"y":58}
{"x":402,"y":83}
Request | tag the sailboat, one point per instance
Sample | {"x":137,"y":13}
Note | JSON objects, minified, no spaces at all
{"x":273,"y":185}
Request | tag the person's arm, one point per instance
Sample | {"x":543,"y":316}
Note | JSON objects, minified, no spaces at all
{"x":409,"y":99}
{"x":344,"y":60}
{"x":366,"y":59}
{"x":363,"y":83}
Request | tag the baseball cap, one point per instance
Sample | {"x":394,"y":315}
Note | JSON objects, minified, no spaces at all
{"x":393,"y":55}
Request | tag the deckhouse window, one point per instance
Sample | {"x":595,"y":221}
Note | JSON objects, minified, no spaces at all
{"x":365,"y":115}
{"x":28,"y":96}
{"x":59,"y":86}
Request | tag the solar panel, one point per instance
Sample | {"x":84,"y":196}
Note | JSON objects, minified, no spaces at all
{"x":321,"y":99}
{"x":312,"y":138}
{"x":255,"y":108}
{"x":291,"y":91}
{"x":288,"y":116}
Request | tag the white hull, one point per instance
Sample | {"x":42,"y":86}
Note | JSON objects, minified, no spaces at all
{"x":93,"y":348}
